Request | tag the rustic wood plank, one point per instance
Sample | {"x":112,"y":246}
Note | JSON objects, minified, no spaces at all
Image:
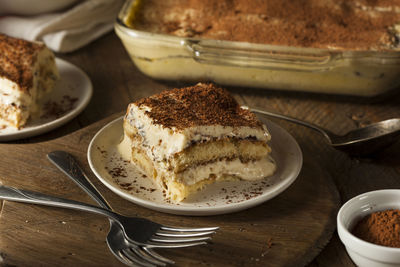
{"x":339,"y":114}
{"x":290,"y":229}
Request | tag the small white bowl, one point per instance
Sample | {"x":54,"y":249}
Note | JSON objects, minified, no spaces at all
{"x":364,"y":253}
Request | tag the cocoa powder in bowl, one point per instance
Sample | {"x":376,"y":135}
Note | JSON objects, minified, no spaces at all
{"x":381,"y":228}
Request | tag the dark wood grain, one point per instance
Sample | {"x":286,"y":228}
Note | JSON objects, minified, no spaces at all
{"x":117,"y":82}
{"x":288,"y":230}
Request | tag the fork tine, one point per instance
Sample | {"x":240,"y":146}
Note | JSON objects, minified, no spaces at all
{"x":183,"y":234}
{"x":173,"y":245}
{"x":175,"y":229}
{"x":133,"y":260}
{"x":157,"y":256}
{"x":179,"y":240}
{"x":146,"y":257}
{"x":122,"y":258}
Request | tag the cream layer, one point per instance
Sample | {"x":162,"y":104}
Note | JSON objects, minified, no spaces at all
{"x":163,"y":142}
{"x":251,"y":170}
{"x":10,"y":93}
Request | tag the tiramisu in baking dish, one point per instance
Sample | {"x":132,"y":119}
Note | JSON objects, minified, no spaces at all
{"x":341,"y":47}
{"x":348,"y":24}
{"x":187,"y":138}
{"x":28,"y":74}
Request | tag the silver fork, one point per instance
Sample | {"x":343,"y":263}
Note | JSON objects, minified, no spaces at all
{"x":133,"y":229}
{"x":126,"y":251}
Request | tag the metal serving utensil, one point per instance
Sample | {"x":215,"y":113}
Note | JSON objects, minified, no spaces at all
{"x":138,"y":231}
{"x":126,"y":251}
{"x":360,"y":141}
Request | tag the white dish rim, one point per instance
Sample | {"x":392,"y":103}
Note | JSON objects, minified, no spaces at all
{"x":86,"y":95}
{"x":198,"y":211}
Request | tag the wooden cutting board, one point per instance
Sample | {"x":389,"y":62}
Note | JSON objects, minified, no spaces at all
{"x":289,"y":230}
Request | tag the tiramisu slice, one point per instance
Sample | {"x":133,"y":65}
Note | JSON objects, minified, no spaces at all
{"x":27,"y":74}
{"x":190,"y":137}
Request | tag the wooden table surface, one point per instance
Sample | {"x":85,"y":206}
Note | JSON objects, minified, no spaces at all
{"x":117,"y":82}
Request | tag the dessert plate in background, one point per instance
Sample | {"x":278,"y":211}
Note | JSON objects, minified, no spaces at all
{"x":124,"y":179}
{"x":70,"y":96}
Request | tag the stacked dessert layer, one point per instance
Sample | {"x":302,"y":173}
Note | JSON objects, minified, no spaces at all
{"x":189,"y":137}
{"x":27,"y":75}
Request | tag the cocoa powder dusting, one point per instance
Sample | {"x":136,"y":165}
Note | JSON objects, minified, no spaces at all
{"x":341,"y":24}
{"x":16,"y":59}
{"x":381,"y":228}
{"x":202,"y":104}
{"x":53,"y":109}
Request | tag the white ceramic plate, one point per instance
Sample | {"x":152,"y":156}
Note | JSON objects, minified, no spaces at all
{"x":124,"y":179}
{"x":70,"y":96}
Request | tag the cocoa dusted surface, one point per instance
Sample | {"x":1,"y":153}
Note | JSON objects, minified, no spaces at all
{"x":341,"y":24}
{"x":202,"y":104}
{"x":16,"y":59}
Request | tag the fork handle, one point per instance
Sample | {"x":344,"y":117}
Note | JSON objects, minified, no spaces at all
{"x":19,"y":195}
{"x":70,"y":167}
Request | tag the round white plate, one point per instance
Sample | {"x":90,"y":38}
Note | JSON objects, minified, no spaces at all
{"x":70,"y":96}
{"x":123,"y":178}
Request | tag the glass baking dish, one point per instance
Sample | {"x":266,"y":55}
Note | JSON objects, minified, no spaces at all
{"x":168,"y":57}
